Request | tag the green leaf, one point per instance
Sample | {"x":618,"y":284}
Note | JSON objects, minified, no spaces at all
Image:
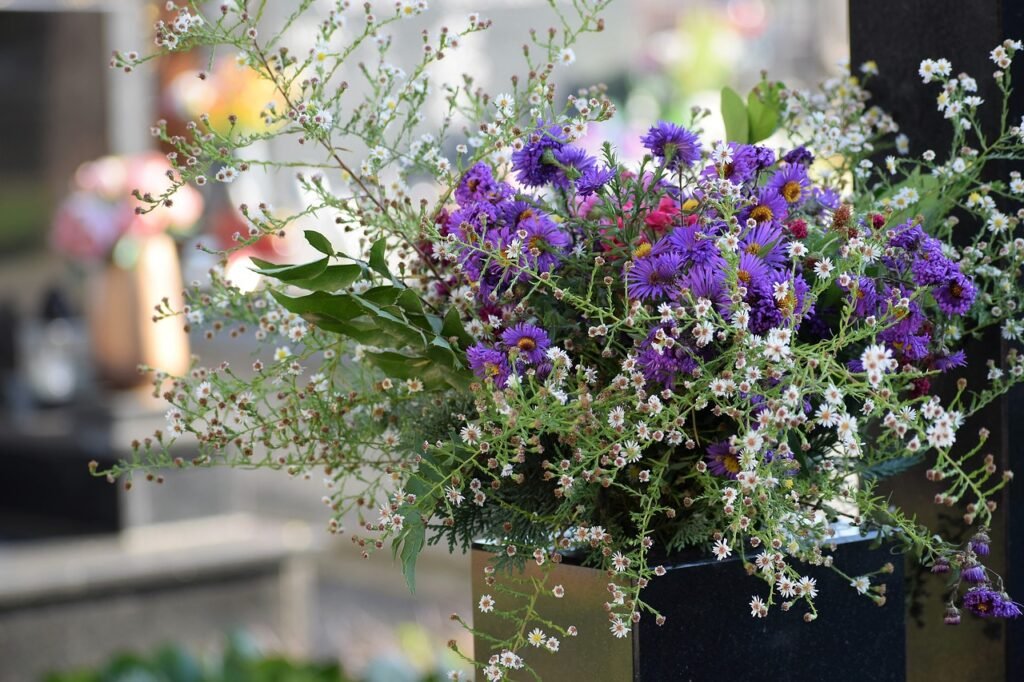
{"x":734,"y":114}
{"x":453,"y":327}
{"x":334,"y":278}
{"x":319,"y":242}
{"x":410,"y":545}
{"x":312,"y":306}
{"x":289,"y":273}
{"x":382,"y":295}
{"x":438,"y":368}
{"x":889,"y":467}
{"x":765,"y":110}
{"x":398,"y":365}
{"x":377,"y":259}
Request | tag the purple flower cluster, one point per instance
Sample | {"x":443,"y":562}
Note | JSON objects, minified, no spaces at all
{"x":953,"y":291}
{"x":548,"y":159}
{"x":490,"y":221}
{"x":520,"y":346}
{"x":985,"y":602}
{"x":916,"y":260}
{"x":674,"y":145}
{"x":981,"y":598}
{"x":505,"y":237}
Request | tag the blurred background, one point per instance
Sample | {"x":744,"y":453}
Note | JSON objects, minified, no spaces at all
{"x":222,"y":563}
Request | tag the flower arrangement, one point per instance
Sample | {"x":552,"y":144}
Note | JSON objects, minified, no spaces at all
{"x":100,"y":213}
{"x":724,"y":346}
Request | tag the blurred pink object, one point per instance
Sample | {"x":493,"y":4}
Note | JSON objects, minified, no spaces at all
{"x":101,"y":210}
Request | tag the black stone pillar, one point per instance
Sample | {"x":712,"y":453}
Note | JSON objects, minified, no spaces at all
{"x":898,"y":34}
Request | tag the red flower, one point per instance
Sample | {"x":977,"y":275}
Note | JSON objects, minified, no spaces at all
{"x":798,"y":228}
{"x":664,"y":216}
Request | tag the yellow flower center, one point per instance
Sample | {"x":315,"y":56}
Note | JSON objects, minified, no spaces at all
{"x":492,"y":369}
{"x":743,"y":276}
{"x":526,"y":344}
{"x":643,"y":250}
{"x":791,"y":191}
{"x":761,"y":214}
{"x":788,"y":303}
{"x":754,"y":249}
{"x":731,"y":464}
{"x":690,"y":204}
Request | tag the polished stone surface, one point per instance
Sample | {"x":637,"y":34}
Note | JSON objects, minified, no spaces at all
{"x":709,"y":633}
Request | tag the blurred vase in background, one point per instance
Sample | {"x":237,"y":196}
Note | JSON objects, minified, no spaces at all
{"x":119,"y":310}
{"x":131,"y":264}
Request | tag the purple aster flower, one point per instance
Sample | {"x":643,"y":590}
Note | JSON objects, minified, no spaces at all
{"x":722,"y":460}
{"x":515,"y":212}
{"x":694,"y":245}
{"x":763,"y":157}
{"x":944,"y":363}
{"x":672,"y":144}
{"x":827,"y":197}
{"x":708,"y":282}
{"x":974,"y":574}
{"x":765,"y":241}
{"x":478,"y":185}
{"x":930,"y":266}
{"x":1007,"y":608}
{"x":547,"y":238}
{"x":765,"y":313}
{"x":987,"y":603}
{"x":472,"y":221}
{"x":742,"y":168}
{"x":572,"y":164}
{"x":941,"y":565}
{"x":952,"y":616}
{"x":793,"y":302}
{"x":956,"y":295}
{"x":666,"y":366}
{"x":752,"y":272}
{"x":530,"y":339}
{"x":866,"y":297}
{"x":908,"y":236}
{"x":911,"y":334}
{"x":800,"y":155}
{"x":792,"y":183}
{"x":593,"y":179}
{"x":489,"y":363}
{"x":534,"y":163}
{"x":980,"y":542}
{"x":768,"y":207}
{"x":654,"y":277}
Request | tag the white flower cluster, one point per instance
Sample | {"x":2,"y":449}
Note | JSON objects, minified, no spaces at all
{"x":169,"y":35}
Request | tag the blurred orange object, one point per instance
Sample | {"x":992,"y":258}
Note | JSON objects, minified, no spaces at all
{"x":119,"y":308}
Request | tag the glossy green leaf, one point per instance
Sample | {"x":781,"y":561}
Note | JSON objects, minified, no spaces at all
{"x":452,"y":327}
{"x":734,"y":114}
{"x":765,"y":110}
{"x":311,"y":306}
{"x":410,"y":545}
{"x":290,"y":273}
{"x":334,"y":278}
{"x":378,"y":262}
{"x":382,"y":295}
{"x":319,"y":242}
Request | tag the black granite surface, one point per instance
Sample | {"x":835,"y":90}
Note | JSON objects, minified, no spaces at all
{"x":710,"y":635}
